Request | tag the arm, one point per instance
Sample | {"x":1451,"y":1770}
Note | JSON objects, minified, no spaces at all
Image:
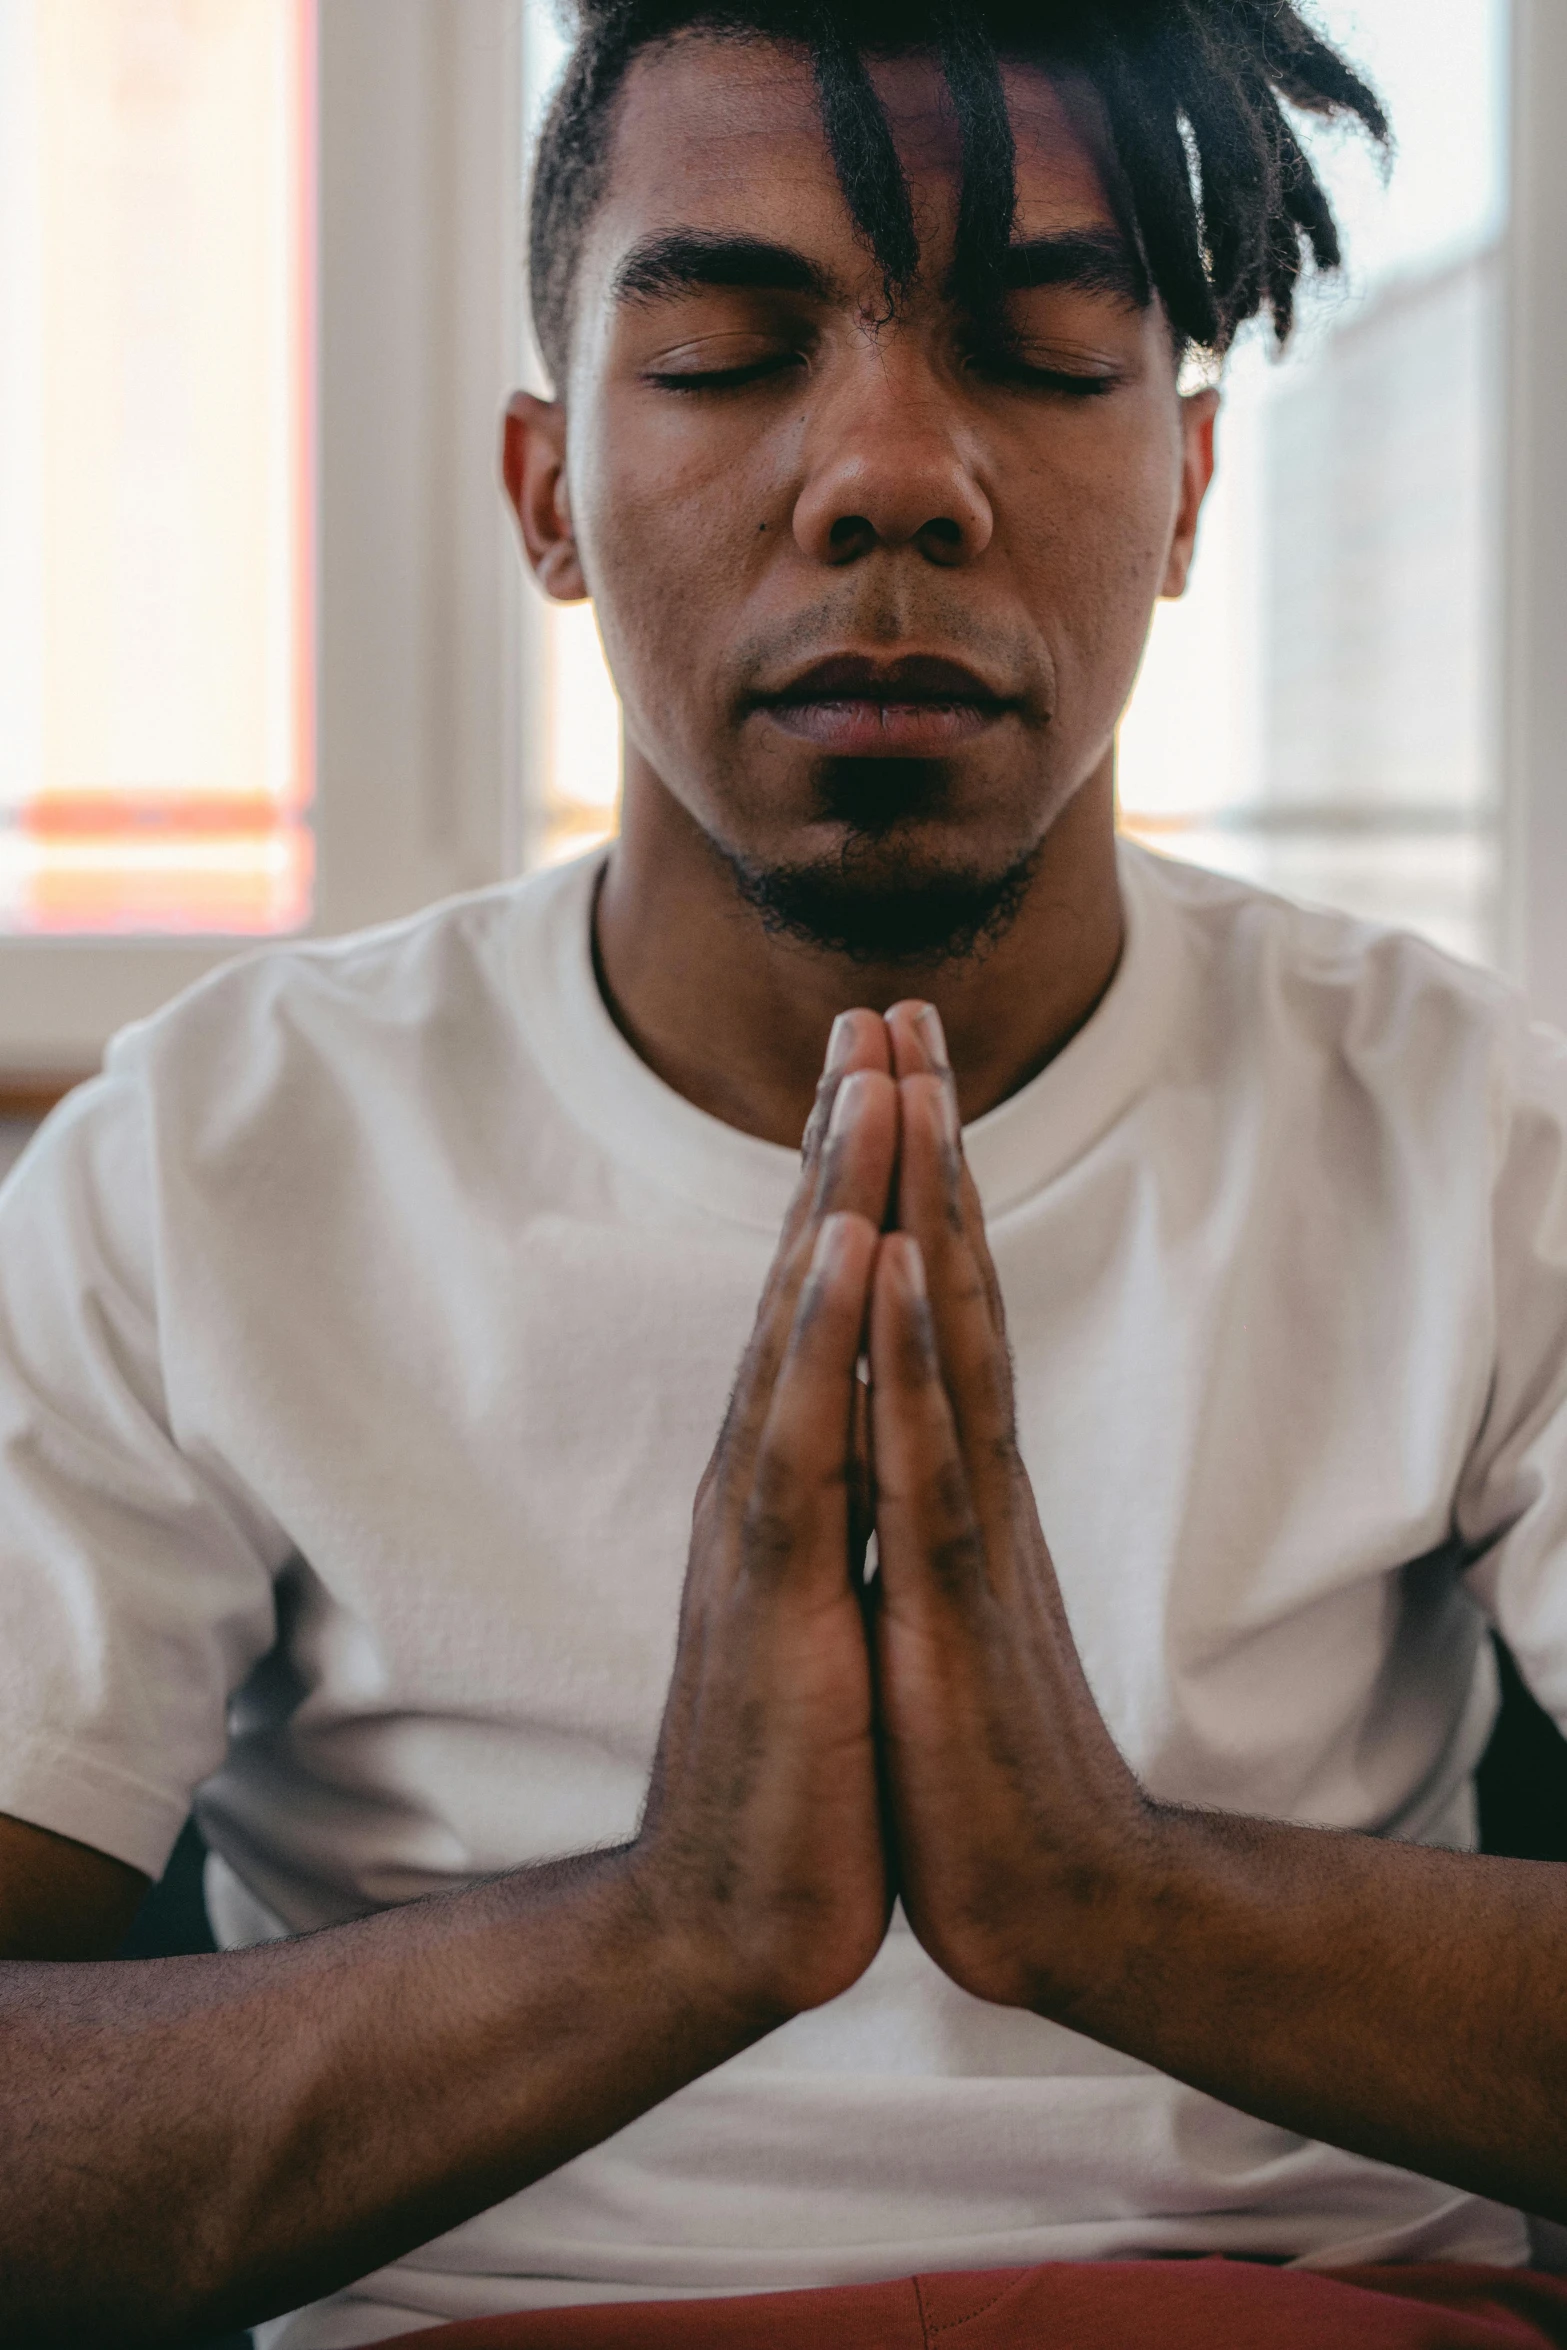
{"x":188,"y":2144}
{"x":1406,"y":2003}
{"x":193,"y":2143}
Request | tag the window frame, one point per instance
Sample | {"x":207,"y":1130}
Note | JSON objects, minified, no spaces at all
{"x":427,"y":648}
{"x":418,"y":587}
{"x":1534,"y":658}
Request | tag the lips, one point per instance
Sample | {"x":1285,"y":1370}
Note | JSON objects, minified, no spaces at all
{"x":853,"y":706}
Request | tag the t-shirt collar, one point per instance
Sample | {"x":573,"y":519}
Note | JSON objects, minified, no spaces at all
{"x":654,"y":1132}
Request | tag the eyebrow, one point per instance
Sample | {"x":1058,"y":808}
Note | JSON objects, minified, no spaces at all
{"x":1091,"y":261}
{"x":685,"y":259}
{"x":681,"y":261}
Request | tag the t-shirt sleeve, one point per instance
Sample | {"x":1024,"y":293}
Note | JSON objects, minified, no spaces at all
{"x":1512,"y":1503}
{"x":136,"y":1583}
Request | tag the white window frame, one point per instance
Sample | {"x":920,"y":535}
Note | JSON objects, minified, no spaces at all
{"x":1534,"y":673}
{"x":418,"y":584}
{"x":426,"y":648}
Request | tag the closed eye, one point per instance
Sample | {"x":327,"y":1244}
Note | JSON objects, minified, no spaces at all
{"x":720,"y":379}
{"x":1055,"y":379}
{"x":722,"y":363}
{"x":1014,"y":366}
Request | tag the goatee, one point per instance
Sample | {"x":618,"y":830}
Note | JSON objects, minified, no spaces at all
{"x":861,"y":899}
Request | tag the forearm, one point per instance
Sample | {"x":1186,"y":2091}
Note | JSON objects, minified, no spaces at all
{"x":189,"y":2144}
{"x":1407,"y":2003}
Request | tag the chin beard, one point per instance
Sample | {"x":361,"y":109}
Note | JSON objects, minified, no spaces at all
{"x":862,"y":901}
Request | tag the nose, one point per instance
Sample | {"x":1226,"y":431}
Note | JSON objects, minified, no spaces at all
{"x":889,"y":466}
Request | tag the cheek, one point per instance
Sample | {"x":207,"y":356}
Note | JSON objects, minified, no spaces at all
{"x":1097,"y":545}
{"x":666,"y":522}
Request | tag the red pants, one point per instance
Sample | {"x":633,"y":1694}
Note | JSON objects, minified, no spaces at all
{"x":1087,"y":2305}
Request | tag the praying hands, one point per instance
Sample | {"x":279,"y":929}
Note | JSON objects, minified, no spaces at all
{"x":831,"y":1740}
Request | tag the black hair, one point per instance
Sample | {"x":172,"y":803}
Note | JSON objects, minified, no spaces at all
{"x":1215,"y":192}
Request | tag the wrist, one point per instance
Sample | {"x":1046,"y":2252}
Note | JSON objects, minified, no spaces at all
{"x":1083,"y":1933}
{"x":705,"y":1954}
{"x":1107,"y":1908}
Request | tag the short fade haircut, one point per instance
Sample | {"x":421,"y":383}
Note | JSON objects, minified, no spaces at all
{"x":1216,"y":196}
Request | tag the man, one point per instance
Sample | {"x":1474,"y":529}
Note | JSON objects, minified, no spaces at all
{"x":965,"y":1903}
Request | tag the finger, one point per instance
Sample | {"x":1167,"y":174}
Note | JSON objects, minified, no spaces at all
{"x":970,"y":1348}
{"x":919,"y":1048}
{"x":858,"y":1040}
{"x":851,"y":1169}
{"x":928,"y":1536}
{"x":860,"y":1149}
{"x":795,"y":1523}
{"x":854,"y":1177}
{"x":917,"y":1039}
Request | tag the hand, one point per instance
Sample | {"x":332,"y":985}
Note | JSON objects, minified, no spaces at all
{"x":762,"y":1839}
{"x":1011,"y":1812}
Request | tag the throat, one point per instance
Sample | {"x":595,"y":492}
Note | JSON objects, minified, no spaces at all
{"x":724,"y":974}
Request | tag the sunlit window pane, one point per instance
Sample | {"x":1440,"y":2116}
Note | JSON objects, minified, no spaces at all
{"x":580,"y":737}
{"x":155,"y":359}
{"x":1320,"y":712}
{"x":574,"y":738}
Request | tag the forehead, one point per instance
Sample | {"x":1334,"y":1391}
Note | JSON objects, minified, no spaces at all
{"x":725,"y":133}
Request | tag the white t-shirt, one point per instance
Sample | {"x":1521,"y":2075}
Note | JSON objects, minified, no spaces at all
{"x":364,"y":1331}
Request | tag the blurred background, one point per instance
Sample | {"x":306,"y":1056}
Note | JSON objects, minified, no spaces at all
{"x":267,"y":662}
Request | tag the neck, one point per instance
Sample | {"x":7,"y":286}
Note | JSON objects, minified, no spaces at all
{"x":736,"y":1017}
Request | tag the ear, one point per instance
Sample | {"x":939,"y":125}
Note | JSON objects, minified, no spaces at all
{"x":533,"y":467}
{"x":1199,"y":415}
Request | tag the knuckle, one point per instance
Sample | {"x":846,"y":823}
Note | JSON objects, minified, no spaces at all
{"x":958,"y":1561}
{"x":952,"y":1202}
{"x":915,"y":1351}
{"x":767,"y":1541}
{"x":773,"y":1483}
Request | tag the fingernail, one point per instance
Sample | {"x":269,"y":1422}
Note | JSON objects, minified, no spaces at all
{"x":932,"y":1035}
{"x":840,"y":1042}
{"x":847,"y":1100}
{"x":950,"y":1125}
{"x":913,"y":1266}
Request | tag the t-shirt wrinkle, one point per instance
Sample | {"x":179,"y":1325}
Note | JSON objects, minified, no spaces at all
{"x":365,"y":1330}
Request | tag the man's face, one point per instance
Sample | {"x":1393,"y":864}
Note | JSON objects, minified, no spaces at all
{"x":873,"y":590}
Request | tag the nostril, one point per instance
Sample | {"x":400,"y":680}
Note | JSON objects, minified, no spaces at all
{"x":943,"y":533}
{"x":850,"y":534}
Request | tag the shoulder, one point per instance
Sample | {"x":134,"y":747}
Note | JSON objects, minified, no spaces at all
{"x":431,"y":999}
{"x":1308,"y":989}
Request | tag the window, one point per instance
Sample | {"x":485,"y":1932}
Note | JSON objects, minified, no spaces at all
{"x":1320,"y":713}
{"x":156,"y":729}
{"x":1323,"y":712}
{"x":260,"y":303}
{"x":575,"y":737}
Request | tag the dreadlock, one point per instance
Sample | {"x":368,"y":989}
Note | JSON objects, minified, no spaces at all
{"x":1216,"y":194}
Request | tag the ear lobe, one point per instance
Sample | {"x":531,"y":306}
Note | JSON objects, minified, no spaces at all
{"x":533,"y":467}
{"x":1199,"y":415}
